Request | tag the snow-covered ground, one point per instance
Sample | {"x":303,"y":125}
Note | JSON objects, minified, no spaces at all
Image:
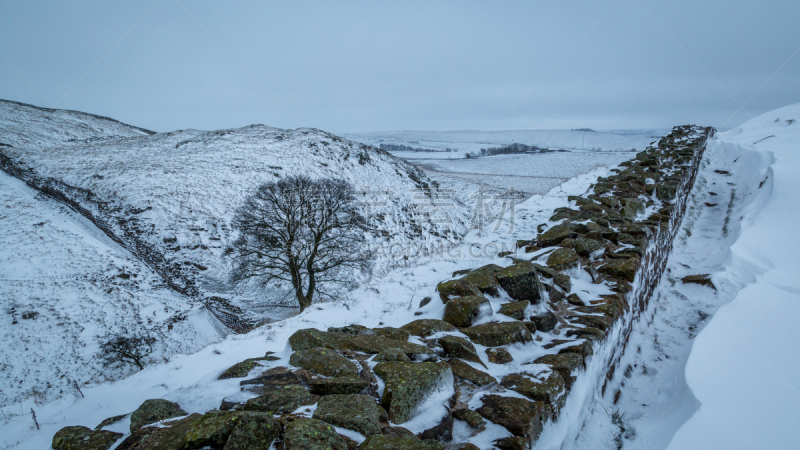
{"x":472,"y":141}
{"x":64,"y":286}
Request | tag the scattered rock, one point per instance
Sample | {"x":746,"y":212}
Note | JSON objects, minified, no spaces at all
{"x":110,"y":421}
{"x":424,"y":301}
{"x":704,"y":280}
{"x":171,"y":435}
{"x":456,"y":288}
{"x":464,"y":311}
{"x":354,"y":412}
{"x":472,"y":418}
{"x":548,"y":387}
{"x":83,"y":438}
{"x":280,"y":400}
{"x":554,"y":235}
{"x":545,"y":322}
{"x":213,"y":429}
{"x":588,"y":247}
{"x":241,"y":369}
{"x":621,"y":268}
{"x":459,"y":347}
{"x":497,"y":334}
{"x":393,"y":333}
{"x":565,"y":364}
{"x":521,"y":417}
{"x":255,"y":431}
{"x":366,"y":343}
{"x":499,"y":355}
{"x":563,"y":258}
{"x":483,"y":278}
{"x":466,"y":372}
{"x":513,"y":443}
{"x":324,"y":362}
{"x":427,"y":327}
{"x":521,"y":282}
{"x":515,"y":310}
{"x":407,"y":384}
{"x":337,"y":385}
{"x":154,"y":410}
{"x":311,"y":434}
{"x":391,"y":354}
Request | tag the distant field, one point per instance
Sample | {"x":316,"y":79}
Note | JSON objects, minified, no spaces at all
{"x":529,"y":173}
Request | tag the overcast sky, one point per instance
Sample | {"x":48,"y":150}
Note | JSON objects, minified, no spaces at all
{"x":404,"y":64}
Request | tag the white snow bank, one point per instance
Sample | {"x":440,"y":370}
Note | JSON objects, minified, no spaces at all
{"x":745,"y":365}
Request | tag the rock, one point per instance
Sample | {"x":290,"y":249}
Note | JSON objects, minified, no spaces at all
{"x":110,"y":421}
{"x":427,"y":327}
{"x":563,"y":281}
{"x":472,"y":418}
{"x":515,"y":310}
{"x":391,"y":354}
{"x":704,"y":280}
{"x":621,"y":268}
{"x":424,"y":301}
{"x":545,"y":322}
{"x":513,"y":443}
{"x":459,"y":347}
{"x":324,"y":362}
{"x":584,"y":349}
{"x":574,"y":299}
{"x":521,"y":282}
{"x":277,"y":376}
{"x":588,"y":247}
{"x":499,"y":355}
{"x":242,"y":369}
{"x":521,"y":417}
{"x":456,"y":288}
{"x":354,"y":412}
{"x":311,"y":434}
{"x":280,"y":400}
{"x":393,"y":333}
{"x":466,"y":372}
{"x":84,"y":438}
{"x":666,"y":192}
{"x":337,"y":385}
{"x":563,"y":259}
{"x":592,"y":334}
{"x":483,"y":278}
{"x":385,"y":442}
{"x":548,"y":387}
{"x":464,"y":311}
{"x":171,"y":435}
{"x":442,"y":432}
{"x":255,"y":431}
{"x":366,"y":343}
{"x":632,"y":207}
{"x":396,"y":431}
{"x":497,"y":334}
{"x":407,"y":384}
{"x":213,"y":429}
{"x":154,"y":410}
{"x":554,"y":235}
{"x":565,"y":364}
{"x":353,"y":329}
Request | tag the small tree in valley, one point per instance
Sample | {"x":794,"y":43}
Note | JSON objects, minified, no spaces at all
{"x":301,"y":231}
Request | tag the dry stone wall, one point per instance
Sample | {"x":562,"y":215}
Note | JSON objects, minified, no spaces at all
{"x":515,"y":367}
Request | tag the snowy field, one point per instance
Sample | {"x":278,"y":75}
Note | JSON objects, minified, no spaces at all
{"x":64,"y":286}
{"x":472,"y":141}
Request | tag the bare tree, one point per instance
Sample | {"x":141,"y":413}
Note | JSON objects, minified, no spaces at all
{"x":121,"y":349}
{"x":302,"y":231}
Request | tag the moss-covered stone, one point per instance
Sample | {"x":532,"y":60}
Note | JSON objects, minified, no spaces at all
{"x":427,"y":327}
{"x":548,"y":387}
{"x":393,"y":333}
{"x":621,"y":268}
{"x":565,"y":364}
{"x":280,"y":400}
{"x":563,"y":258}
{"x":521,"y":282}
{"x":84,"y":438}
{"x":499,"y":355}
{"x":588,"y":247}
{"x":521,"y":417}
{"x":384,"y":442}
{"x":154,"y":410}
{"x":497,"y":334}
{"x":324,"y":361}
{"x":545,"y":322}
{"x":464,"y":311}
{"x":213,"y":429}
{"x":466,"y":372}
{"x":171,"y":435}
{"x":483,"y":278}
{"x":354,"y":412}
{"x":367,"y":343}
{"x":456,"y":288}
{"x":515,"y":310}
{"x":407,"y":384}
{"x":243,"y":368}
{"x":337,"y":385}
{"x":459,"y":347}
{"x":472,"y":418}
{"x":513,"y":443}
{"x":312,"y":434}
{"x":255,"y":431}
{"x":590,"y":333}
{"x":554,"y":235}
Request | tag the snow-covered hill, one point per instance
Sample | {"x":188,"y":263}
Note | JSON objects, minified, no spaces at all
{"x":64,"y":286}
{"x":173,"y":195}
{"x":460,"y":142}
{"x":23,"y":125}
